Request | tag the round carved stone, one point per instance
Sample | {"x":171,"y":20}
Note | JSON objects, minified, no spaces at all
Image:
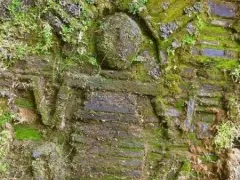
{"x":119,"y":41}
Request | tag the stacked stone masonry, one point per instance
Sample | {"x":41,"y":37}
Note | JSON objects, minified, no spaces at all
{"x":138,"y":95}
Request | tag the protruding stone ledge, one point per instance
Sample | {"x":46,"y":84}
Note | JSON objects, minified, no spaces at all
{"x":99,"y":83}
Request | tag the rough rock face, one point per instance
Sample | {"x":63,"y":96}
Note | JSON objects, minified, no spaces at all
{"x":103,"y":89}
{"x":119,"y":41}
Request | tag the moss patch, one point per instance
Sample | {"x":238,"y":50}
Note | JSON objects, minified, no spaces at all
{"x":5,"y":117}
{"x":26,"y":133}
{"x":24,"y":103}
{"x":186,"y":168}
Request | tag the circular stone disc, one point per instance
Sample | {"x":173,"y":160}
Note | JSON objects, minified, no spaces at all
{"x":119,"y":41}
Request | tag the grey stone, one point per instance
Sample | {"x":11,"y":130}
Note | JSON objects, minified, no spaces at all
{"x":213,"y":52}
{"x":55,"y":22}
{"x":209,"y":102}
{"x":111,"y":102}
{"x":196,"y":8}
{"x":131,"y":163}
{"x":163,"y":56}
{"x":209,"y":90}
{"x":211,"y":43}
{"x":222,"y":9}
{"x":222,"y":22}
{"x":205,"y":117}
{"x":190,"y":112}
{"x":176,"y":44}
{"x":167,"y":29}
{"x":191,"y":29}
{"x":119,"y":42}
{"x":98,"y":83}
{"x":146,"y":111}
{"x":172,"y":112}
{"x":49,"y":162}
{"x":165,"y":6}
{"x":195,"y":51}
{"x":106,"y":117}
{"x":203,"y":130}
{"x":39,"y":85}
{"x":233,"y":164}
{"x":74,"y":9}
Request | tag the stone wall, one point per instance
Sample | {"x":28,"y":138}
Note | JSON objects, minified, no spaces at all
{"x":102,"y":89}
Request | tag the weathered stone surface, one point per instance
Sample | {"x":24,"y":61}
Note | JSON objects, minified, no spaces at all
{"x":172,"y":112}
{"x":189,"y":117}
{"x":146,"y":111}
{"x":48,"y":162}
{"x":233,"y":164}
{"x":111,"y":102}
{"x":64,"y":104}
{"x":111,"y":148}
{"x":98,"y":83}
{"x":106,"y":117}
{"x":55,"y":22}
{"x":213,"y":52}
{"x":119,"y":42}
{"x":203,"y":130}
{"x":222,"y":22}
{"x":167,"y":29}
{"x":189,"y":73}
{"x":209,"y":90}
{"x":222,"y":9}
{"x":205,"y":117}
{"x":74,"y":9}
{"x":210,"y":101}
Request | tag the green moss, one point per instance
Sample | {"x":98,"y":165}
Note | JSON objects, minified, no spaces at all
{"x":210,"y":29}
{"x":26,"y":133}
{"x":186,"y":168}
{"x":135,"y":6}
{"x":180,"y":104}
{"x":209,"y":158}
{"x":172,"y":82}
{"x":110,"y":177}
{"x":191,"y":136}
{"x":227,"y":64}
{"x":5,"y":117}
{"x":140,"y":72}
{"x":221,"y":63}
{"x":24,"y":103}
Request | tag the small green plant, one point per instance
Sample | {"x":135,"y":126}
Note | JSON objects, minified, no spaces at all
{"x":5,"y":117}
{"x":93,"y":61}
{"x":136,"y":5}
{"x":47,"y":36}
{"x":186,"y":168}
{"x":67,"y":33}
{"x":90,"y":1}
{"x":235,"y":74}
{"x":189,"y":40}
{"x":200,"y":22}
{"x":170,"y":51}
{"x":14,"y":6}
{"x":227,"y":132}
